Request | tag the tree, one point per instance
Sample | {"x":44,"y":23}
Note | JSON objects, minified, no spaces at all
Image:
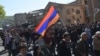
{"x":2,"y":11}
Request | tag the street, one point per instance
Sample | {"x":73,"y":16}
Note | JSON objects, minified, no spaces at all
{"x":1,"y":49}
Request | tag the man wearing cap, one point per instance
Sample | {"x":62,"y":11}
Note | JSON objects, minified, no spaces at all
{"x":64,"y":46}
{"x":96,"y":43}
{"x":81,"y":48}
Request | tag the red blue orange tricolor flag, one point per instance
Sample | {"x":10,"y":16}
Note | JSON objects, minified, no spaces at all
{"x":49,"y":19}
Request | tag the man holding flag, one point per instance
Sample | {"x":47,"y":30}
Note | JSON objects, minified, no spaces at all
{"x":48,"y":20}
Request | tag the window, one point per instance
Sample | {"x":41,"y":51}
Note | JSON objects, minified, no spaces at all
{"x":68,"y":20}
{"x":77,"y":11}
{"x":78,"y":20}
{"x":85,"y":2}
{"x":80,"y":16}
{"x":72,"y":10}
{"x":68,"y":11}
{"x":58,"y":11}
{"x":73,"y":17}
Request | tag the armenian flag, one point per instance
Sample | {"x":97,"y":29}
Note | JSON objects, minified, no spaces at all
{"x":49,"y":19}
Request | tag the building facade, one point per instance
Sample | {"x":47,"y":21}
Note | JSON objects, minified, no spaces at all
{"x":77,"y":12}
{"x":92,"y":9}
{"x":73,"y":14}
{"x":69,"y":13}
{"x":35,"y":16}
{"x":20,"y":18}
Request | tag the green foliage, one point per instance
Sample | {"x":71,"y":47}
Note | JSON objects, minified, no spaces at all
{"x":2,"y":11}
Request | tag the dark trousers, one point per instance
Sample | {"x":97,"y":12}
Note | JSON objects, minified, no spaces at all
{"x":12,"y":52}
{"x":97,"y":52}
{"x":74,"y":43}
{"x":3,"y":40}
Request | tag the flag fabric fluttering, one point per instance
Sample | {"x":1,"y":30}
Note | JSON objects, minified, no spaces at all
{"x":49,"y":19}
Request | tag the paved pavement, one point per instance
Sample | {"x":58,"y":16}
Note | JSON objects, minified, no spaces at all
{"x":1,"y":49}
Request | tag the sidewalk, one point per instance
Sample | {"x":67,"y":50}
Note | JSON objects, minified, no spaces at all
{"x":2,"y":53}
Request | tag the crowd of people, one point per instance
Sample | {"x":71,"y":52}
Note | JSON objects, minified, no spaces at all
{"x":77,"y":40}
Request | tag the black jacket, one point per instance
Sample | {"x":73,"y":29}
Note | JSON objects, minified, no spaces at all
{"x":11,"y":43}
{"x":64,"y":49}
{"x":81,"y":48}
